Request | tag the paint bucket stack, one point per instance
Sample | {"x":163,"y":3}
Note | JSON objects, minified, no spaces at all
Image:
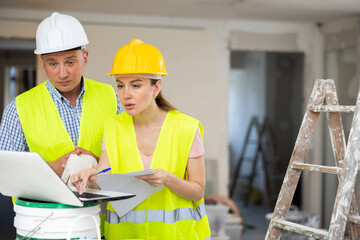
{"x":41,"y":220}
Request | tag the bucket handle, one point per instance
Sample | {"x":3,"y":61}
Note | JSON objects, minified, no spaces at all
{"x":80,"y":217}
{"x":36,"y":228}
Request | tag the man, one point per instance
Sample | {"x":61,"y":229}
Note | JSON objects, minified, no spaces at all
{"x":65,"y":114}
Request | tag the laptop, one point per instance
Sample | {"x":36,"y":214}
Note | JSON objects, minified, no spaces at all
{"x":27,"y":175}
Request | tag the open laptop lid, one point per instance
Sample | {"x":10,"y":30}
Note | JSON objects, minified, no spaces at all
{"x":27,"y":175}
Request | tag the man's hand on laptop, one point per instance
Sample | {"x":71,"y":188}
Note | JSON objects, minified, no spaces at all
{"x":81,"y":179}
{"x":84,"y":151}
{"x":59,"y":164}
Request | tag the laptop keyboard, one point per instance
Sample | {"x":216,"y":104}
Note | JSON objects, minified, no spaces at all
{"x":89,"y":195}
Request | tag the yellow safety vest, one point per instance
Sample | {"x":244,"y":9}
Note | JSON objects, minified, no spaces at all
{"x":164,"y":215}
{"x":44,"y":130}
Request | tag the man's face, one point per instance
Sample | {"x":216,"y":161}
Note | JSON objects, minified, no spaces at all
{"x":65,"y":69}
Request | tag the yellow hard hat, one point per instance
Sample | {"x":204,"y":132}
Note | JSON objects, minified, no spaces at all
{"x":138,"y":58}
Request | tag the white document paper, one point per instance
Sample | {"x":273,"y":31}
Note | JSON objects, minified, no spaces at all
{"x":126,"y":182}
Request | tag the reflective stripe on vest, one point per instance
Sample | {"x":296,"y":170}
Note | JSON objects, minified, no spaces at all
{"x":158,"y":215}
{"x":130,"y":217}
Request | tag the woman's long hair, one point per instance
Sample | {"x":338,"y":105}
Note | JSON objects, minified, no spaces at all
{"x":162,"y":103}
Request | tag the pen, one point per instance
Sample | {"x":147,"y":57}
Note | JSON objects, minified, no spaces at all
{"x":102,"y":171}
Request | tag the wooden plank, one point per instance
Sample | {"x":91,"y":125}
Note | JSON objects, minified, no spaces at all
{"x":316,"y":168}
{"x":354,"y":219}
{"x":339,"y":145}
{"x":345,"y":192}
{"x":301,"y":229}
{"x":254,"y":124}
{"x":332,"y":108}
{"x":354,"y":229}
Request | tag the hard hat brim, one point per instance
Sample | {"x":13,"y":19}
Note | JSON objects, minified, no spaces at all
{"x":60,"y":49}
{"x":114,"y":73}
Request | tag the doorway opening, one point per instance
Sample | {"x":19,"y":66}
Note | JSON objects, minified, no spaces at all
{"x":268,"y":86}
{"x":17,"y":75}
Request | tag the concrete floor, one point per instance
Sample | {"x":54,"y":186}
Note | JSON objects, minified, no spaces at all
{"x":254,"y":217}
{"x":255,"y":222}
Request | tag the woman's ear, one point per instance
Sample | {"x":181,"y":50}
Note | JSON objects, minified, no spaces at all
{"x":157,"y":88}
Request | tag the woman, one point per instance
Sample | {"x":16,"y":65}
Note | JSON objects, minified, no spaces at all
{"x":151,"y":133}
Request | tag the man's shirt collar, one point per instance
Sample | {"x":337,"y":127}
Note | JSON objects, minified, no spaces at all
{"x":60,"y":97}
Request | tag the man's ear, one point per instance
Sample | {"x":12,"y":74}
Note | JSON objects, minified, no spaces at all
{"x":43,"y":62}
{"x":86,"y":56}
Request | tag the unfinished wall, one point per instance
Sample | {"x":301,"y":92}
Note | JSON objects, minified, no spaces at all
{"x":195,"y":85}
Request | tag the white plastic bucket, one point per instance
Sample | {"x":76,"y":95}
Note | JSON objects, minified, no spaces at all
{"x":40,"y":220}
{"x":217,"y":219}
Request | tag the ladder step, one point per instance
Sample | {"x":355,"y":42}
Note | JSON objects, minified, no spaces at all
{"x":316,"y":168}
{"x":354,"y":219}
{"x":332,"y":108}
{"x":301,"y":229}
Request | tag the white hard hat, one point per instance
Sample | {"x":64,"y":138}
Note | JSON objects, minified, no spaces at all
{"x":59,"y":32}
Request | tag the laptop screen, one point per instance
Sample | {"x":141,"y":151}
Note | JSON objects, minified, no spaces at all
{"x":27,"y":175}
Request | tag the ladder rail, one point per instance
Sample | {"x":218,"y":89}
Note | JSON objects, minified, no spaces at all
{"x":345,"y":193}
{"x":253,"y":123}
{"x":252,"y":175}
{"x":263,"y":132}
{"x":300,"y":151}
{"x":340,"y":149}
{"x":267,"y":135}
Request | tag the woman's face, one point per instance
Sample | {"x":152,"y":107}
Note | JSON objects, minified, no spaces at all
{"x":137,"y":94}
